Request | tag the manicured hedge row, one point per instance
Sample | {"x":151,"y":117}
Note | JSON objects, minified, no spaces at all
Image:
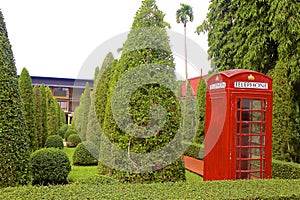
{"x":285,"y":170}
{"x":97,"y":189}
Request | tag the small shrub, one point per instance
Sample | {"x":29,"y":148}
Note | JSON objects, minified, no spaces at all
{"x":83,"y":155}
{"x":49,"y":166}
{"x":54,"y":141}
{"x":62,"y":130}
{"x":73,"y":140}
{"x":285,"y":170}
{"x":69,"y":132}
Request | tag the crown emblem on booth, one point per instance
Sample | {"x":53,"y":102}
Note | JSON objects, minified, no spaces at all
{"x":251,"y":77}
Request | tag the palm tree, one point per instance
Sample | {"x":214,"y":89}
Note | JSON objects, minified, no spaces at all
{"x":184,"y":15}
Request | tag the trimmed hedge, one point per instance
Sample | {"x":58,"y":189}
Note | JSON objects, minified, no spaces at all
{"x":69,"y":132}
{"x":54,"y":141}
{"x":96,"y":189}
{"x":83,"y":155}
{"x":49,"y":166}
{"x":285,"y":170}
{"x":73,"y":140}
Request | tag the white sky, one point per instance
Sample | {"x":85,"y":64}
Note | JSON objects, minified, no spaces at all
{"x":54,"y":38}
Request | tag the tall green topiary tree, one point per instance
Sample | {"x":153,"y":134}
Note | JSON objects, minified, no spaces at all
{"x":44,"y":115}
{"x":147,"y":46}
{"x":38,"y":115}
{"x":14,"y":140}
{"x":101,"y":81}
{"x":26,"y":92}
{"x":52,"y":123}
{"x":83,"y":112}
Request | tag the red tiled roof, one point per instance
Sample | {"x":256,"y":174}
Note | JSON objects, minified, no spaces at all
{"x":194,"y":85}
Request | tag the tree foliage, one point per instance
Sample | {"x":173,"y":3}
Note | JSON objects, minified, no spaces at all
{"x":44,"y":116}
{"x":14,"y":139}
{"x":147,"y":45}
{"x":101,"y":77}
{"x":52,"y":120}
{"x":261,"y":36}
{"x":26,"y":92}
{"x":82,"y":111}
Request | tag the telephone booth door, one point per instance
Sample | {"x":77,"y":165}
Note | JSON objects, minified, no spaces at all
{"x":251,"y":121}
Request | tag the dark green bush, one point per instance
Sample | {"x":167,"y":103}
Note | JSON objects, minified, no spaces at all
{"x":62,"y":130}
{"x":69,"y":132}
{"x":49,"y":166}
{"x":285,"y":170}
{"x":110,"y":189}
{"x":83,"y":155}
{"x":73,"y":140}
{"x":54,"y":141}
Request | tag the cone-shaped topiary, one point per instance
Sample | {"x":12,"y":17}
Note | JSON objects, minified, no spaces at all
{"x":49,"y":166}
{"x":26,"y":92}
{"x":52,"y":122}
{"x":101,"y":82}
{"x":83,"y":154}
{"x":14,"y":140}
{"x":146,"y":55}
{"x":44,"y":115}
{"x":54,"y":141}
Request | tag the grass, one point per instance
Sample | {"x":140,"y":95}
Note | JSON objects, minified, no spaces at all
{"x":79,"y":173}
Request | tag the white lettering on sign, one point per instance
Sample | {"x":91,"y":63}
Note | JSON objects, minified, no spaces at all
{"x":217,"y":85}
{"x":251,"y":85}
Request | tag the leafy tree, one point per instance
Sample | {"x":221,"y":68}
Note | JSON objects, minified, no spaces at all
{"x":52,"y":123}
{"x":14,"y":139}
{"x":26,"y":92}
{"x":83,"y":112}
{"x":94,"y":128}
{"x":38,"y":115}
{"x":102,"y":86}
{"x":260,"y":36}
{"x":285,"y":133}
{"x":44,"y":115}
{"x":147,"y":45}
{"x":184,"y":15}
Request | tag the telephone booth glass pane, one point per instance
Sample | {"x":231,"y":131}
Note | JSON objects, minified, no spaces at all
{"x":250,"y":138}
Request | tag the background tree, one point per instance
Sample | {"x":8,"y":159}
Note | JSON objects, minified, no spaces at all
{"x":26,"y":92}
{"x":15,"y":143}
{"x":94,"y":126}
{"x":38,"y":115}
{"x":44,"y":115}
{"x":147,"y":44}
{"x":184,"y":15}
{"x":83,"y":112}
{"x":260,"y":36}
{"x":52,"y":123}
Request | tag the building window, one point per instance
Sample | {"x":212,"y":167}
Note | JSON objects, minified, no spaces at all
{"x":61,"y":92}
{"x":63,"y":105}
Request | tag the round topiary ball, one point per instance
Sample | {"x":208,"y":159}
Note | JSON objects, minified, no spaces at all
{"x":69,"y":132}
{"x":49,"y":166}
{"x":73,"y":140}
{"x":83,"y":155}
{"x":54,"y":141}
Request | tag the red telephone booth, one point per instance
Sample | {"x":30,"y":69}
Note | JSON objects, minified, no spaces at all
{"x":238,"y":130}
